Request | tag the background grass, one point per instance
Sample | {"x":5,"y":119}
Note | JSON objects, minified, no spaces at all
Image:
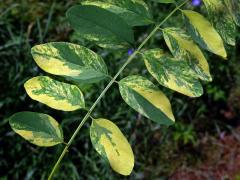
{"x":159,"y":151}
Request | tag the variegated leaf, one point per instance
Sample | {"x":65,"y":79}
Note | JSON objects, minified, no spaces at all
{"x":222,"y":20}
{"x":37,"y":128}
{"x":172,"y":73}
{"x":234,"y":8}
{"x":71,"y":61}
{"x":135,"y":13}
{"x":204,"y":33}
{"x":100,"y":26}
{"x":55,"y":94}
{"x":111,"y":144}
{"x":143,"y":96}
{"x":183,"y":47}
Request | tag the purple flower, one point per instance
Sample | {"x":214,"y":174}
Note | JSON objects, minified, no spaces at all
{"x":130,"y":51}
{"x":196,"y":2}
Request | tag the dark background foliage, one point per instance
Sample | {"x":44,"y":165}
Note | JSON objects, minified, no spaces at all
{"x":203,"y":144}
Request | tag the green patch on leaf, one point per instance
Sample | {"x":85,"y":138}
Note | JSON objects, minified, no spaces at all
{"x":144,"y":97}
{"x":37,"y":128}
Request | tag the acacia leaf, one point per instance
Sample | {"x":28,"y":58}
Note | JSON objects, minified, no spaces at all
{"x":55,"y":94}
{"x":144,"y":97}
{"x":100,"y":26}
{"x":204,"y":33}
{"x":111,"y":144}
{"x":183,"y":47}
{"x":222,"y":20}
{"x":37,"y":128}
{"x":69,"y":60}
{"x":172,"y":73}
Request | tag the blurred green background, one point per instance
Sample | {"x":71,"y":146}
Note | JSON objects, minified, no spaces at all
{"x":203,"y":144}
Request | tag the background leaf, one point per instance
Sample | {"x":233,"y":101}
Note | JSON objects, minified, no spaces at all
{"x":70,"y":60}
{"x":183,"y":47}
{"x":144,"y":97}
{"x":222,"y":20}
{"x":111,"y":144}
{"x":234,"y":7}
{"x":203,"y":33}
{"x":37,"y":128}
{"x":135,"y":13}
{"x":101,"y":26}
{"x":55,"y":94}
{"x":172,"y":73}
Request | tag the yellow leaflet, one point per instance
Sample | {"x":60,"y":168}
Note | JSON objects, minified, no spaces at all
{"x":34,"y":84}
{"x":206,"y":33}
{"x":118,"y":150}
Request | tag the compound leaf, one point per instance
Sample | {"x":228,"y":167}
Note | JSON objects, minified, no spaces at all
{"x":172,"y":73}
{"x":71,"y":61}
{"x":144,"y":97}
{"x":111,"y":144}
{"x":37,"y":128}
{"x":55,"y":94}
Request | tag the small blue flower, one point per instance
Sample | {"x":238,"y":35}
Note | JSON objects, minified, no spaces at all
{"x":196,"y":2}
{"x":130,"y":51}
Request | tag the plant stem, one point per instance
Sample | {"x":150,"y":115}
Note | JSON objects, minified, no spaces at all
{"x":65,"y":150}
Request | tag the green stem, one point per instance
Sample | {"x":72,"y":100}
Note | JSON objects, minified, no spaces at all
{"x":65,"y":150}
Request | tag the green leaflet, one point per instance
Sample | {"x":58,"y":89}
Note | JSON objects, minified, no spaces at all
{"x":111,"y":144}
{"x":183,"y":47}
{"x":234,"y":8}
{"x":144,"y":97}
{"x":172,"y":73}
{"x":222,"y":20}
{"x":70,"y":60}
{"x":203,"y":33}
{"x":37,"y":128}
{"x":101,"y":26}
{"x":134,"y":12}
{"x":55,"y":94}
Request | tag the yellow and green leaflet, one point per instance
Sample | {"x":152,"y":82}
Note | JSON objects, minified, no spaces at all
{"x":111,"y":144}
{"x":204,"y":33}
{"x":100,"y":26}
{"x":183,"y":47}
{"x":55,"y":94}
{"x":144,"y":97}
{"x":134,"y":12}
{"x":72,"y":61}
{"x":234,"y":8}
{"x":222,"y":20}
{"x":172,"y":73}
{"x":37,"y":128}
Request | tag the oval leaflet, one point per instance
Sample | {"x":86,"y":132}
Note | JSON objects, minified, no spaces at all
{"x":111,"y":144}
{"x":37,"y":128}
